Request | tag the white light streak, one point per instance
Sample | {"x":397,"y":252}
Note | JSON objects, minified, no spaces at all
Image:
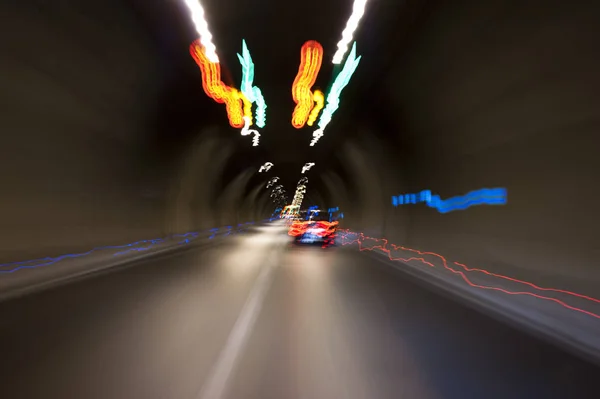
{"x":265,"y":168}
{"x":347,"y":35}
{"x":307,"y":166}
{"x":300,"y":190}
{"x":278,"y":193}
{"x":272,"y":181}
{"x":317,"y":134}
{"x":246,"y":131}
{"x":333,"y":98}
{"x":202,"y":28}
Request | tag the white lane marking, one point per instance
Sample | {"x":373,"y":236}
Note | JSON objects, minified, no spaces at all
{"x":216,"y":383}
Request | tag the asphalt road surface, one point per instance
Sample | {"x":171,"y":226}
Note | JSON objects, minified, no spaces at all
{"x":253,"y":316}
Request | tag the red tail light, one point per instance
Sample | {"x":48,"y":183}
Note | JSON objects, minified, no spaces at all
{"x":299,"y":228}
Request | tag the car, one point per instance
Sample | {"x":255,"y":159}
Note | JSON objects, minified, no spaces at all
{"x":318,"y":229}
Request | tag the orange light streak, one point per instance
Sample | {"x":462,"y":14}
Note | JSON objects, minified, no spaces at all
{"x":311,"y":57}
{"x":382,"y":245}
{"x":247,"y":107}
{"x":215,"y":88}
{"x":319,"y":99}
{"x":297,"y":229}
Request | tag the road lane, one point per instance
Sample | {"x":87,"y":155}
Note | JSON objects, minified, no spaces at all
{"x":330,"y":323}
{"x":153,"y":330}
{"x":337,"y":324}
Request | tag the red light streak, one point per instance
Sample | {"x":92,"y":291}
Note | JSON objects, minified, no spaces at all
{"x":382,"y":244}
{"x":215,"y":88}
{"x":299,"y":228}
{"x":311,"y":57}
{"x":589,"y":298}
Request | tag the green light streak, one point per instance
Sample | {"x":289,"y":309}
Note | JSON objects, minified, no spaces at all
{"x":252,"y":93}
{"x":340,"y":82}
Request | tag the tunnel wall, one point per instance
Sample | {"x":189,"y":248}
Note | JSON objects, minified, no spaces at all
{"x":376,"y":170}
{"x":76,"y":86}
{"x":79,"y":86}
{"x":504,"y":94}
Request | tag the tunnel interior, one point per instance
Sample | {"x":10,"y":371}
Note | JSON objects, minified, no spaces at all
{"x":143,"y":254}
{"x":108,"y":136}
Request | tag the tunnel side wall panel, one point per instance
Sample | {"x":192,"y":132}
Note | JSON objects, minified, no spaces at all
{"x":493,"y":100}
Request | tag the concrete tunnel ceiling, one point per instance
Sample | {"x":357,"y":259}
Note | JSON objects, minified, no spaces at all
{"x":184,"y":110}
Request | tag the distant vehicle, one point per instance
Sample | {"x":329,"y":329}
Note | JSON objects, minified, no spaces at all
{"x":297,"y":217}
{"x":316,"y":230}
{"x":289,"y":212}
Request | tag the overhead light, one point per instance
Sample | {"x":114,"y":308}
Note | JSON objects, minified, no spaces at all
{"x":202,"y":28}
{"x":319,"y":99}
{"x":215,"y":88}
{"x":358,"y":10}
{"x":307,"y":166}
{"x":252,"y":93}
{"x":317,"y":134}
{"x":341,"y":81}
{"x":272,"y":181}
{"x":266,"y":167}
{"x":311,"y":57}
{"x":247,"y":131}
{"x":333,"y":97}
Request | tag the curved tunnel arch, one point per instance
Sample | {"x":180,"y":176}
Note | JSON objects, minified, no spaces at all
{"x":193,"y":190}
{"x":109,"y":139}
{"x":441,"y":118}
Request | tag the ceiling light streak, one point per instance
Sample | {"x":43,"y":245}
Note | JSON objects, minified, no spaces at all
{"x":272,"y":182}
{"x":333,"y":97}
{"x":247,"y":107}
{"x":266,"y":167}
{"x":215,"y":88}
{"x":299,"y":196}
{"x":252,"y":93}
{"x":301,"y":189}
{"x":247,"y":131}
{"x":311,"y":58}
{"x":278,"y":194}
{"x":202,"y":28}
{"x":348,"y":34}
{"x":307,"y":166}
{"x":319,"y":99}
{"x":341,"y":81}
{"x":317,"y":134}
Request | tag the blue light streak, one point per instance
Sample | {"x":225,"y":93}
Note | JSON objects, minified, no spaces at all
{"x":485,"y":196}
{"x":131,"y":247}
{"x":312,"y":208}
{"x":214,"y":233}
{"x":331,"y":211}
